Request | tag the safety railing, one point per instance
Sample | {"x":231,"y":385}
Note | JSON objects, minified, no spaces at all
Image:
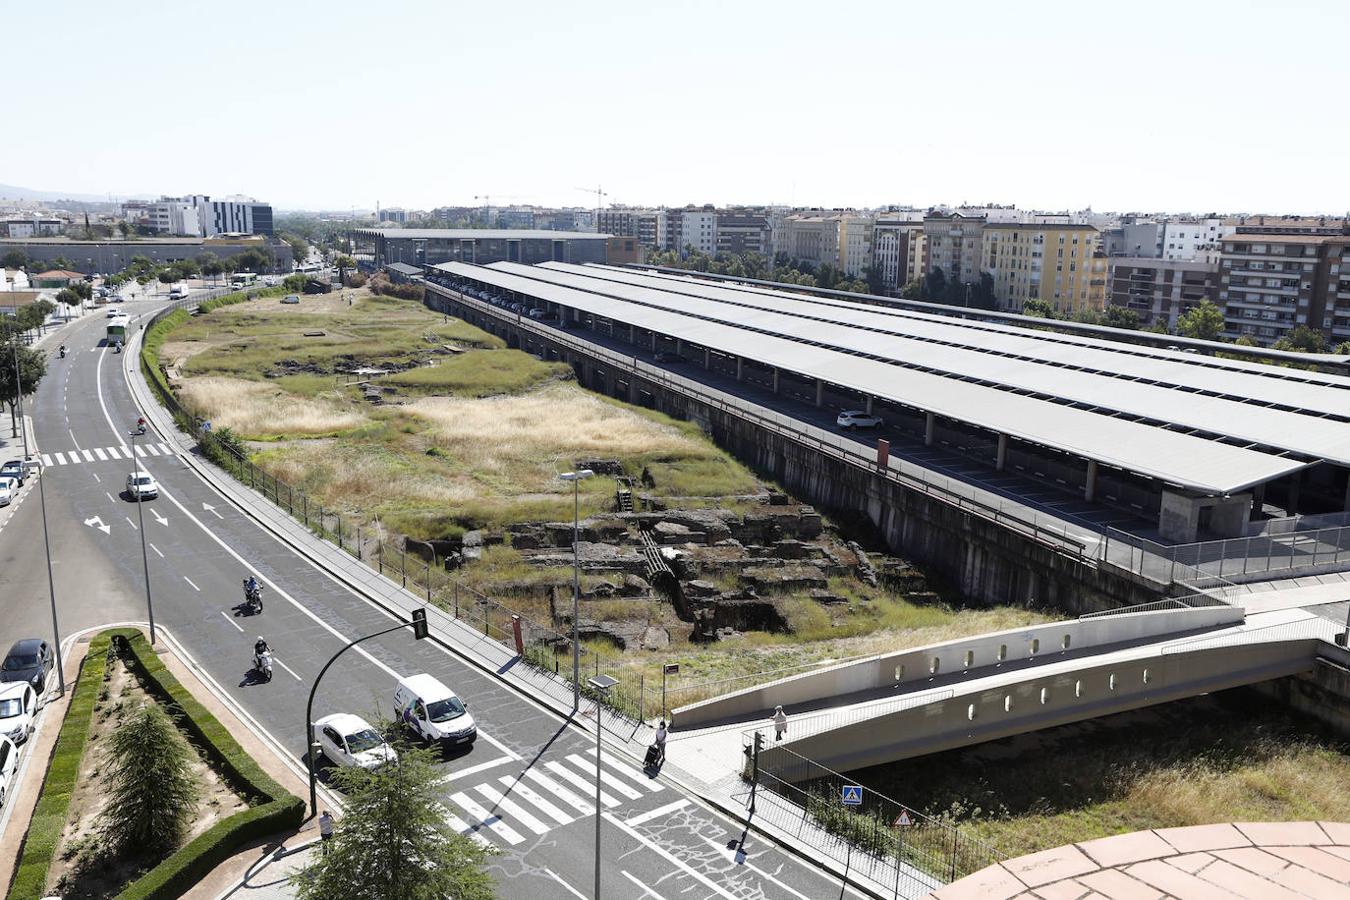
{"x":1278,"y":551}
{"x":808,"y":724}
{"x":1313,"y":628}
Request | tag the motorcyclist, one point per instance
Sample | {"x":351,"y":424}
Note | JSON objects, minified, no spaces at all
{"x":63,"y":351}
{"x":253,"y":591}
{"x":140,"y":425}
{"x":259,"y":648}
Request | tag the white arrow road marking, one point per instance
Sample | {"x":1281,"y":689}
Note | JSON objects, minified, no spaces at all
{"x":158,"y":518}
{"x":96,"y":522}
{"x":212,"y":510}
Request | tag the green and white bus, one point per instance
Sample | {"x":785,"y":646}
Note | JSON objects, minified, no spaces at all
{"x":117,"y":330}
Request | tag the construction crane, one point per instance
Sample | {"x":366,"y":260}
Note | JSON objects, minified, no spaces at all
{"x":599,"y":201}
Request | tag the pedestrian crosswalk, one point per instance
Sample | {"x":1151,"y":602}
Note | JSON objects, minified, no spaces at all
{"x":103,"y":454}
{"x":557,"y":792}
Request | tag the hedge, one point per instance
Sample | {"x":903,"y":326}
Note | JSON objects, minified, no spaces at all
{"x":49,"y":817}
{"x":274,"y":809}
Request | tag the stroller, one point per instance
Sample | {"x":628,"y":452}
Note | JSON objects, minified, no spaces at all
{"x":653,"y":759}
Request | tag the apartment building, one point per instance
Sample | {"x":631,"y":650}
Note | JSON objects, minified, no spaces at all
{"x":618,"y":222}
{"x":1160,"y":291}
{"x":855,"y":244}
{"x":1270,"y":284}
{"x":813,"y":239}
{"x":897,"y":252}
{"x":1061,"y":264}
{"x":1135,"y":239}
{"x":698,"y":230}
{"x":31,"y":226}
{"x":954,"y":243}
{"x":1198,"y":240}
{"x":743,"y":231}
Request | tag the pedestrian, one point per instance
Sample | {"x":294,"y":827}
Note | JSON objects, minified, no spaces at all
{"x":325,"y":829}
{"x":779,"y":723}
{"x":661,"y":743}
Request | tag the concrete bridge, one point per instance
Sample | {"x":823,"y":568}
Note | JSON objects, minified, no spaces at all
{"x":925,"y":700}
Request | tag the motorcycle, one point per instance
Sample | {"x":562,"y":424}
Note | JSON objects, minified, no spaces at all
{"x":262,"y":664}
{"x":137,"y":431}
{"x":117,"y":348}
{"x":63,"y":352}
{"x":253,"y":598}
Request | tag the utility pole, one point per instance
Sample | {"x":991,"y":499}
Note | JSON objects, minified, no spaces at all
{"x":140,"y":516}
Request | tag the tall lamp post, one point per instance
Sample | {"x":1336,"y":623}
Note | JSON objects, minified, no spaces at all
{"x":575,"y":478}
{"x":46,"y":539}
{"x":140,"y":518}
{"x":602,"y":684}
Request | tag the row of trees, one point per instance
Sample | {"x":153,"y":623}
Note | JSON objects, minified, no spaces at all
{"x":21,"y":365}
{"x":781,"y":269}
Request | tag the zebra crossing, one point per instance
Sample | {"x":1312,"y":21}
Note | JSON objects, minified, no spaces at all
{"x":103,"y":454}
{"x":508,"y":808}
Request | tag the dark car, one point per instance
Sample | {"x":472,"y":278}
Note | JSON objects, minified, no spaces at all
{"x":28,"y":660}
{"x":668,"y":357}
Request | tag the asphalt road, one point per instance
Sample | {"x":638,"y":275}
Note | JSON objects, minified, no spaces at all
{"x":527,"y":786}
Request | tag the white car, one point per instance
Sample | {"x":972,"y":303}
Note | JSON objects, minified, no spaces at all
{"x":114,"y":313}
{"x":857,"y":418}
{"x":9,"y":489}
{"x":9,"y":761}
{"x":348,"y":740}
{"x":18,"y":710}
{"x":142,"y":486}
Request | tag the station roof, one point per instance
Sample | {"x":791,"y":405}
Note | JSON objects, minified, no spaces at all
{"x":405,"y":268}
{"x":483,"y":234}
{"x":871,"y":363}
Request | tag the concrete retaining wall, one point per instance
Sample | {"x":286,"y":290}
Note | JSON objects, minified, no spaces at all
{"x":919,"y":666}
{"x":1323,"y":693}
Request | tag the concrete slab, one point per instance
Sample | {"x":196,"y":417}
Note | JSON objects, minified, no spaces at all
{"x":1253,"y":859}
{"x":1194,"y":838}
{"x":992,"y":883}
{"x":1244,"y":883}
{"x":1283,"y":834}
{"x":1190,"y":862}
{"x":1173,"y":881}
{"x":1119,"y":886}
{"x":1042,"y":868}
{"x":1126,"y":848}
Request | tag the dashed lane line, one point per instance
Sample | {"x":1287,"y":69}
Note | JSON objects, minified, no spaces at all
{"x":232,"y":622}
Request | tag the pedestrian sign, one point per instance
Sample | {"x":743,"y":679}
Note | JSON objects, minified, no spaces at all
{"x":903,"y":820}
{"x":851,"y":794}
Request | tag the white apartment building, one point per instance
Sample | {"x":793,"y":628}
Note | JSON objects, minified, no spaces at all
{"x":1198,"y":241}
{"x":813,"y":239}
{"x":698,"y":230}
{"x":855,"y":244}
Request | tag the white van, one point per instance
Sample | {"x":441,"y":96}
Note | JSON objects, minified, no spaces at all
{"x":433,"y":712}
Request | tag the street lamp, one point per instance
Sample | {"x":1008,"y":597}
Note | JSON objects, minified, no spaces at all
{"x":46,"y":539}
{"x":575,"y":478}
{"x":140,"y":518}
{"x":602,"y":684}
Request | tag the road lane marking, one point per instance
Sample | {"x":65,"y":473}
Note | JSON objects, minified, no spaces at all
{"x":126,"y":454}
{"x":473,"y":770}
{"x":131,"y":523}
{"x":109,"y":496}
{"x":232,"y":622}
{"x":46,"y":460}
{"x":96,"y":478}
{"x":152,"y":450}
{"x":670,"y":857}
{"x":646,"y":891}
{"x":559,"y":791}
{"x":157,"y":550}
{"x":165,"y":449}
{"x":140,"y":451}
{"x":72,"y":438}
{"x":735,"y":858}
{"x":102,"y":457}
{"x":466,"y":829}
{"x":88,"y":457}
{"x":516,"y":786}
{"x":212,"y":510}
{"x":657,"y":813}
{"x":578,"y":782}
{"x":194,"y":587}
{"x":607,"y":778}
{"x":571,"y":890}
{"x":651,"y":784}
{"x":502,"y":802}
{"x":60,"y":459}
{"x":287,"y":668}
{"x":486,"y":819}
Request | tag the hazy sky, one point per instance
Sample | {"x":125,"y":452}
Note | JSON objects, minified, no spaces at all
{"x":1178,"y":105}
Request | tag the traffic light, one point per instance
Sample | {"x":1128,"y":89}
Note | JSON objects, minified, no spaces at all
{"x":419,"y":623}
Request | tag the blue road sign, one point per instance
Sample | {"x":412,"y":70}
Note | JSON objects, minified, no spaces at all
{"x":851,"y":794}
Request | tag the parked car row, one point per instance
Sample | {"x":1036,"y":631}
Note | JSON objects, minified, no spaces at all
{"x":424,"y":706}
{"x":23,"y":678}
{"x":534,"y":312}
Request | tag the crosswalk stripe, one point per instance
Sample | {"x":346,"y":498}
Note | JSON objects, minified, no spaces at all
{"x":151,"y":448}
{"x":579,"y":782}
{"x":46,"y":460}
{"x":502,"y":802}
{"x":651,"y":784}
{"x":60,"y":458}
{"x":102,"y":457}
{"x":163,"y":448}
{"x":485,"y":818}
{"x":560,"y":792}
{"x":126,"y":452}
{"x":88,"y":457}
{"x":587,"y":765}
{"x":518,"y":787}
{"x":140,"y":451}
{"x":465,"y":828}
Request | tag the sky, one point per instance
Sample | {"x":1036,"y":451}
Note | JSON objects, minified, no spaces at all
{"x":1182,"y":106}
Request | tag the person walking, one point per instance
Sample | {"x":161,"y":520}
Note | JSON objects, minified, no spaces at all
{"x":325,"y":829}
{"x":661,"y":743}
{"x":779,"y":723}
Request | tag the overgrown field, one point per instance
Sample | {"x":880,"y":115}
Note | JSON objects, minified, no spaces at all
{"x":1233,"y":756}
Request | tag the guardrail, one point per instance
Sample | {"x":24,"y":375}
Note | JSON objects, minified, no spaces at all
{"x":1037,"y":528}
{"x":1280,"y":550}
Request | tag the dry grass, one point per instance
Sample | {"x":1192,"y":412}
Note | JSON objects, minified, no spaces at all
{"x":258,"y":409}
{"x":363,"y":476}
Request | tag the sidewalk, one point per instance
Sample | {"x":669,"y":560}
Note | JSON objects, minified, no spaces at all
{"x":715,"y":780}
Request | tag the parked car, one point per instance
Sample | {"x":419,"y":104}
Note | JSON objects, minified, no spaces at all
{"x":348,"y":740}
{"x":669,"y":357}
{"x":7,"y":491}
{"x":538,"y":313}
{"x":9,"y":761}
{"x":14,"y":469}
{"x":290,"y":299}
{"x":857,"y":418}
{"x":18,"y":711}
{"x":30,"y":660}
{"x":433,"y":712}
{"x":142,"y":486}
{"x":114,"y":313}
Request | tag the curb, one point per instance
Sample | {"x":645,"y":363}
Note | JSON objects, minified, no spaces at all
{"x":235,"y":493}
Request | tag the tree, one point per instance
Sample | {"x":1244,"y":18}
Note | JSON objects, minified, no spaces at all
{"x":299,"y":246}
{"x":912,"y":290}
{"x":343,"y":263}
{"x":32,"y":367}
{"x":14,"y":259}
{"x":935,"y":285}
{"x":1039,"y":308}
{"x":152,"y":792}
{"x":1121,"y":317}
{"x":394,"y":843}
{"x":1302,"y":339}
{"x":1204,"y":322}
{"x":68,"y":298}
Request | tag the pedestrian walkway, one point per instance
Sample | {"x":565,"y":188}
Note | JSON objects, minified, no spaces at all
{"x":1284,"y":860}
{"x":103,"y":454}
{"x":269,"y":877}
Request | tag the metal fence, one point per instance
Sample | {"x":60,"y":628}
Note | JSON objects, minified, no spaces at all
{"x":1283,"y":547}
{"x":891,"y":843}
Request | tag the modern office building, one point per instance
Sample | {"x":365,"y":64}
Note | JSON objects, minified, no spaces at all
{"x":1160,"y":291}
{"x":31,"y":226}
{"x":431,"y":246}
{"x":200,"y":216}
{"x":1062,"y":265}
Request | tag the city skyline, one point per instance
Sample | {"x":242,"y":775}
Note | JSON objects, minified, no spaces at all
{"x":1050,"y":108}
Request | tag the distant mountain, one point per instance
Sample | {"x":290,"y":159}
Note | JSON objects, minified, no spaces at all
{"x":14,"y":192}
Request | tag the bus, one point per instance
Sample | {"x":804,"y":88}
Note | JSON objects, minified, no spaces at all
{"x":241,"y":280}
{"x":117,"y":330}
